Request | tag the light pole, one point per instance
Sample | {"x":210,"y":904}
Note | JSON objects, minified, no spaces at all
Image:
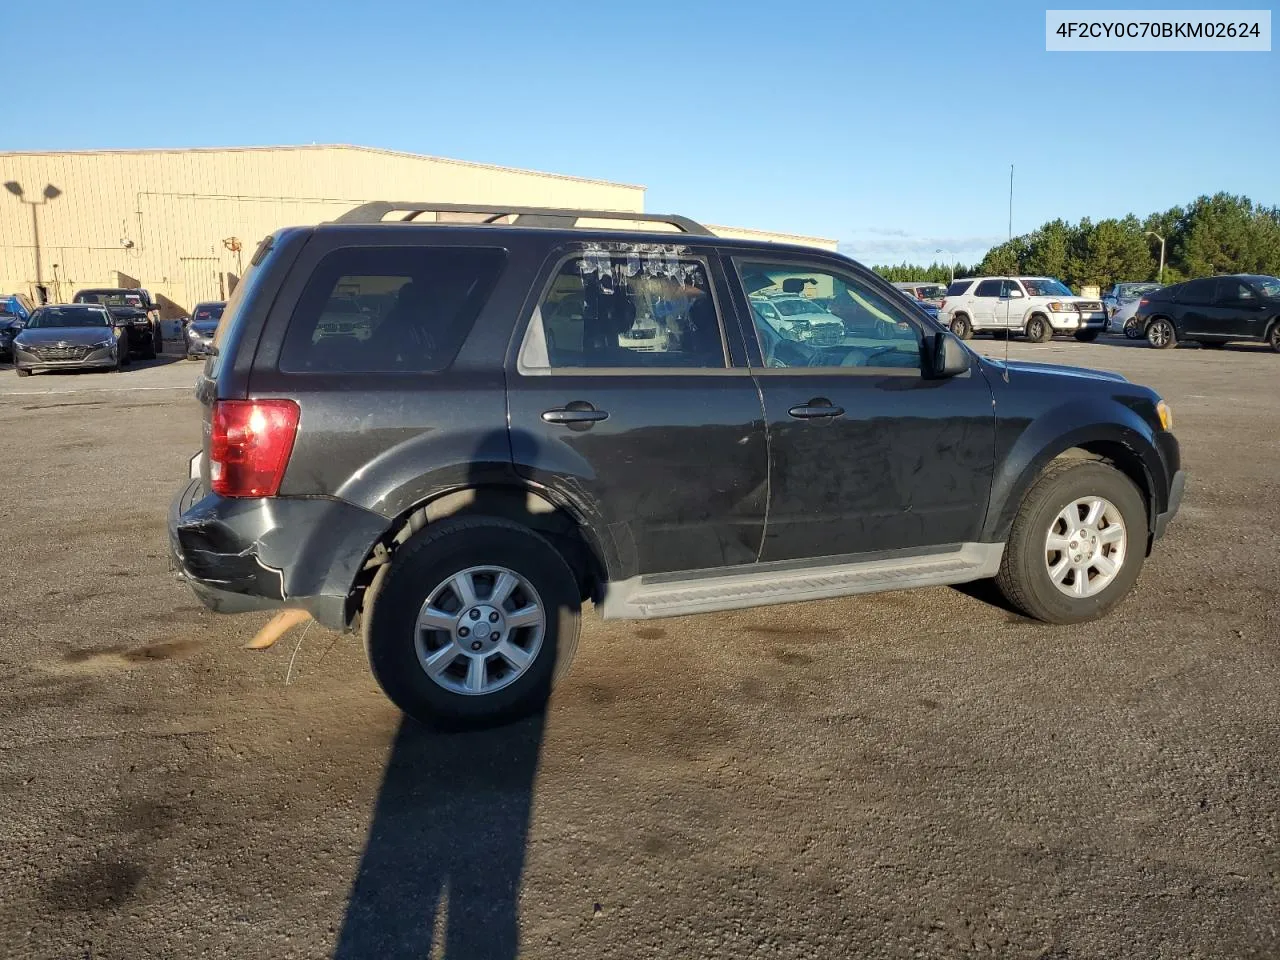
{"x":1152,"y":233}
{"x":50,"y":192}
{"x":951,"y":266}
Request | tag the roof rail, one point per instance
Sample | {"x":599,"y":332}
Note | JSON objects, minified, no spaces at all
{"x":377,"y":210}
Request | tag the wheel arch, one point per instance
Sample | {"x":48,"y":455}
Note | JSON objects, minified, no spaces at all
{"x":523,"y":503}
{"x":1116,"y":436}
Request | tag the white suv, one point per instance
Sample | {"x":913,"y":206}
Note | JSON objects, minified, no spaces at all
{"x":1036,"y":306}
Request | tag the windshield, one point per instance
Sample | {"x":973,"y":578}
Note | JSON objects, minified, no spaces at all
{"x":205,"y":328}
{"x":791,"y":308}
{"x":120,"y":299}
{"x":1046,"y":288}
{"x":1269,"y":286}
{"x":1131,"y":291}
{"x":67,"y":317}
{"x":212,"y":311}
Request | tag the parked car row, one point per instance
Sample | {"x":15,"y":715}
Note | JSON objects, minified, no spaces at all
{"x":1211,"y":311}
{"x":100,"y":329}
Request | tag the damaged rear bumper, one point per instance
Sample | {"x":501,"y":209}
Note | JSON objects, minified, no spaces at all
{"x":261,"y":554}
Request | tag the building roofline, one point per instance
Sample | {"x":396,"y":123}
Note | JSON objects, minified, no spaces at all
{"x":756,"y":232}
{"x":324,"y":146}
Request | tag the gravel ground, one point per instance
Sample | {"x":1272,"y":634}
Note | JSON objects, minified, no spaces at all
{"x":908,"y":774}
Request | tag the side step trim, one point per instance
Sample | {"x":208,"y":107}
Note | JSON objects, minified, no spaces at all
{"x":742,"y":587}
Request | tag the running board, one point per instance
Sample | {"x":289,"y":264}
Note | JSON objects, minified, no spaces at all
{"x":756,"y":586}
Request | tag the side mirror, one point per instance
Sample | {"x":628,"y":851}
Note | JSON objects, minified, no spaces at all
{"x":1015,"y":293}
{"x":948,"y":356}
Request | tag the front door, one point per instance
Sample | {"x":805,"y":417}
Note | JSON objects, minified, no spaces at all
{"x":1238,"y":310}
{"x":865,"y":454}
{"x":627,"y":399}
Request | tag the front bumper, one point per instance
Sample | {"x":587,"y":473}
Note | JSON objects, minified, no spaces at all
{"x":1176,"y":489}
{"x":100,"y":359}
{"x":264,"y":553}
{"x":1078,"y":322}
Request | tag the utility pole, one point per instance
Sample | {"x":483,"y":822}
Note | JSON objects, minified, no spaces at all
{"x":1011,"y":201}
{"x":1152,"y":233}
{"x":50,"y":192}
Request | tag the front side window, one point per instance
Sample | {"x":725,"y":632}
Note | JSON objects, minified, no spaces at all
{"x":1270,"y":286}
{"x":629,"y":309}
{"x":1230,"y":290}
{"x":989,"y":288}
{"x":817,"y":317}
{"x":388,"y":309}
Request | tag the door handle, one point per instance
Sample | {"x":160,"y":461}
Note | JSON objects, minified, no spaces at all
{"x":815,"y":408}
{"x":577,"y":413}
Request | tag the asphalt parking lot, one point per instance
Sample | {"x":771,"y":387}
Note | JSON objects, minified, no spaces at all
{"x":908,"y":774}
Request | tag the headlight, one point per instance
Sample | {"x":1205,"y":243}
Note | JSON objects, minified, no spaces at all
{"x":1166,"y":415}
{"x":105,"y":344}
{"x":1057,"y":306}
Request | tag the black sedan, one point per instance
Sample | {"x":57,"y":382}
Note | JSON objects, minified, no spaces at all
{"x":69,"y":336}
{"x":1213,"y":311}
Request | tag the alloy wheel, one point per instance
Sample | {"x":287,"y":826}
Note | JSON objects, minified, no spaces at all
{"x":1085,"y":547}
{"x":480,"y":630}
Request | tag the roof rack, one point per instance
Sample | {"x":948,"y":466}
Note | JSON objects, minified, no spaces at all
{"x":377,"y":210}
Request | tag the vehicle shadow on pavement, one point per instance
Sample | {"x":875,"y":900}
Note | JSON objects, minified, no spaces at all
{"x":446,"y":846}
{"x":444,"y":858}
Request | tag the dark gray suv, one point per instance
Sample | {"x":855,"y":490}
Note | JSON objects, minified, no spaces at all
{"x":455,"y":434}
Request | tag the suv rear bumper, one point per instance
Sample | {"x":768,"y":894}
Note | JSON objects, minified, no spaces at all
{"x":260,"y":554}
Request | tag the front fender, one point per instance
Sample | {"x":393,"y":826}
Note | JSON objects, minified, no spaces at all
{"x":1092,"y":423}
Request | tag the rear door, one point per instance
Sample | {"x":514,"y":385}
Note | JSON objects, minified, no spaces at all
{"x":984,"y":302}
{"x":630,"y":399}
{"x":865,"y":454}
{"x":1196,"y":307}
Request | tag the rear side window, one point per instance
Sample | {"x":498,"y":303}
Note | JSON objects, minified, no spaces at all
{"x":628,"y":310}
{"x":388,"y":309}
{"x":958,"y":287}
{"x":989,"y":288}
{"x":1197,"y":291}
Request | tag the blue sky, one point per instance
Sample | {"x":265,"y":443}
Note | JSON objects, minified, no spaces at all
{"x":888,"y":126}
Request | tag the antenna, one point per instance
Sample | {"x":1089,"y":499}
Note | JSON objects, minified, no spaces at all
{"x":1011,"y":201}
{"x":1008,"y":334}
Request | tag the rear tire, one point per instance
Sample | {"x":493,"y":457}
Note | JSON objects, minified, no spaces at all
{"x":1087,"y":336}
{"x":1030,"y":576}
{"x":1161,"y":335}
{"x":22,"y":373}
{"x":1038,"y":329}
{"x":463,"y":551}
{"x":1273,"y":337}
{"x":961,"y":326}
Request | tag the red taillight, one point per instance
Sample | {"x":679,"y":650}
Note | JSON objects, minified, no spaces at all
{"x":249,"y":446}
{"x":1142,"y":302}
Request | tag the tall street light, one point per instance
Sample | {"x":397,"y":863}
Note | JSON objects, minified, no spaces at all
{"x":951,"y":265}
{"x":50,"y":192}
{"x":1152,"y":233}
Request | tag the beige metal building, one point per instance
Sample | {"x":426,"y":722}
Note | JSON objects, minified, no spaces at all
{"x":184,"y":223}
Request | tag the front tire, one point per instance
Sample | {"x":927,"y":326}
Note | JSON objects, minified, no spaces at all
{"x":1133,"y":329}
{"x":21,"y":372}
{"x":472,"y":623}
{"x":1038,"y":329}
{"x":1273,"y":338}
{"x":1161,"y":335}
{"x":961,"y":326}
{"x":1077,"y":544}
